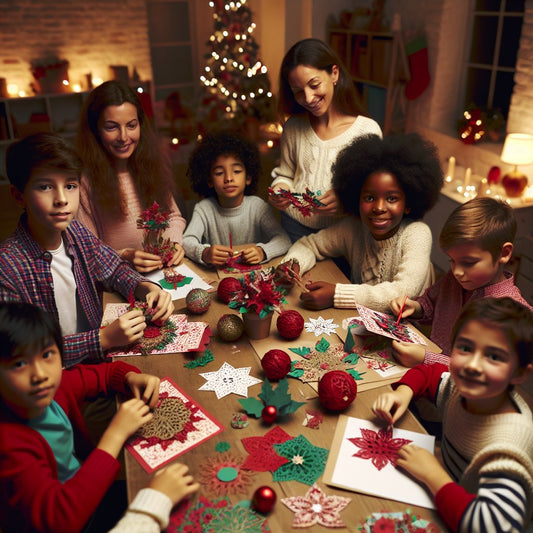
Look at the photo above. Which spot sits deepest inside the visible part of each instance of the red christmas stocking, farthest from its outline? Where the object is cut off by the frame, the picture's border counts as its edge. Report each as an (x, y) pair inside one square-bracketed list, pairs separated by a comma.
[(417, 52)]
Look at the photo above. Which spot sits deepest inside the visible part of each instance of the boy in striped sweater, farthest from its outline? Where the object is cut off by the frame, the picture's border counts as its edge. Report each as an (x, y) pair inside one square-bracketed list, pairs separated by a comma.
[(487, 444)]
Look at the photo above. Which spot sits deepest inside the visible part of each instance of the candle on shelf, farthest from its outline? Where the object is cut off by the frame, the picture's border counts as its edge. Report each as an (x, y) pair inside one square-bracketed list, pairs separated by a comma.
[(468, 174), (451, 169)]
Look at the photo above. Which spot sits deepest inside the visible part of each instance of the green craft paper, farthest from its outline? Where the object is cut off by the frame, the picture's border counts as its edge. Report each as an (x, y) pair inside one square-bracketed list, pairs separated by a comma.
[(322, 345), (252, 406), (303, 351), (169, 286), (202, 360), (228, 473)]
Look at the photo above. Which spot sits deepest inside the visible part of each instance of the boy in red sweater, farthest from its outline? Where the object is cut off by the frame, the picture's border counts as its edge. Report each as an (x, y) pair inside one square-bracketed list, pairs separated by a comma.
[(486, 483), (51, 478)]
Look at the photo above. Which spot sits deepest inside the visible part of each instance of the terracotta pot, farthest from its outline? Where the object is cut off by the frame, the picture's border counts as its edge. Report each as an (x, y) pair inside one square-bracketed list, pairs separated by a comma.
[(255, 327)]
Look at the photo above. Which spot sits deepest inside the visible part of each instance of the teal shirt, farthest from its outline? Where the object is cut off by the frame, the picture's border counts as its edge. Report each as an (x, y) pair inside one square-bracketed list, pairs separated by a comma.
[(56, 429)]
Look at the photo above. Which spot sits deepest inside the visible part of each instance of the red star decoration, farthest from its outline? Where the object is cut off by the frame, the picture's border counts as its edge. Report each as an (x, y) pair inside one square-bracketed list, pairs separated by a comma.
[(379, 447), (263, 457)]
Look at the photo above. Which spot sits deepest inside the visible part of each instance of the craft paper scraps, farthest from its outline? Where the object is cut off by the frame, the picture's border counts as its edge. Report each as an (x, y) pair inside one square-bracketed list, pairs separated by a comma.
[(238, 519), (316, 508), (179, 424), (306, 462), (203, 360), (312, 419), (378, 446), (386, 325), (189, 518), (367, 465), (263, 457), (398, 522), (187, 336), (224, 474), (191, 280), (227, 380), (321, 326), (235, 264)]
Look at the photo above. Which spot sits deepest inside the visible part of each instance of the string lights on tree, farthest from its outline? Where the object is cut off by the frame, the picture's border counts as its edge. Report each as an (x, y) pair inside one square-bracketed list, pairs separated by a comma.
[(235, 80)]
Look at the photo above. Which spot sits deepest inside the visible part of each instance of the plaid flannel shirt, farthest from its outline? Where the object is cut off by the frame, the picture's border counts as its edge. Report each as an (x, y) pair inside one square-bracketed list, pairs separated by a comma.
[(25, 276)]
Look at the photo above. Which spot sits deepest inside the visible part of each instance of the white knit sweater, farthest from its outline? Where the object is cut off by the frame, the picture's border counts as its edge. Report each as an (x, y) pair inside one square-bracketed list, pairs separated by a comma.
[(306, 160), (381, 270)]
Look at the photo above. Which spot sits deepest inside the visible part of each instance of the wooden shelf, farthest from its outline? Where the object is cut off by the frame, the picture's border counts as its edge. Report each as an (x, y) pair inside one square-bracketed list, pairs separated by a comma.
[(378, 65)]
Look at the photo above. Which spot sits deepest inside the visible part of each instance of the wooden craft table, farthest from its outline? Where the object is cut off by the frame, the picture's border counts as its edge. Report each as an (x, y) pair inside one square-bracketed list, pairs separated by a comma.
[(242, 354)]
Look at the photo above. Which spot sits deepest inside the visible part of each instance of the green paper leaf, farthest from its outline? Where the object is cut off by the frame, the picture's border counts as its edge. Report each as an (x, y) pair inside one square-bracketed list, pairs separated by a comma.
[(322, 345), (252, 406), (355, 374), (290, 407), (303, 351), (201, 361), (296, 373), (351, 358)]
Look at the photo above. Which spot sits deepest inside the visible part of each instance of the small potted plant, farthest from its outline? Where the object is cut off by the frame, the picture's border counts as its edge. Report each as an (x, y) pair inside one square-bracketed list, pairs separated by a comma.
[(257, 299)]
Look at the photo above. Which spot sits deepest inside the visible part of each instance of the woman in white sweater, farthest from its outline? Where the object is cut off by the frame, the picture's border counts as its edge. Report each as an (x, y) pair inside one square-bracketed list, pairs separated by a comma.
[(318, 95), (387, 185)]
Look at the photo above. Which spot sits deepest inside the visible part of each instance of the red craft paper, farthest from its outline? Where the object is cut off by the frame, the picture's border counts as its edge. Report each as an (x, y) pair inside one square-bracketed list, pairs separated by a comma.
[(263, 457), (152, 455)]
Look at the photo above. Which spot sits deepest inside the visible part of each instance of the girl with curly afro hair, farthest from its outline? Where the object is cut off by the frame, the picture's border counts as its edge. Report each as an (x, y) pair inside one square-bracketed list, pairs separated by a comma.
[(385, 187), (224, 168)]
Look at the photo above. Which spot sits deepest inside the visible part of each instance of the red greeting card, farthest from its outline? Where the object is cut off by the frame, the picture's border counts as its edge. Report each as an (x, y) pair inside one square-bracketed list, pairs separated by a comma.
[(179, 424)]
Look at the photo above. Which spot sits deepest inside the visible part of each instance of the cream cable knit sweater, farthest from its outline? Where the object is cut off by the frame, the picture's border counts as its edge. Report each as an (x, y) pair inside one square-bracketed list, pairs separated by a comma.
[(306, 160), (381, 270)]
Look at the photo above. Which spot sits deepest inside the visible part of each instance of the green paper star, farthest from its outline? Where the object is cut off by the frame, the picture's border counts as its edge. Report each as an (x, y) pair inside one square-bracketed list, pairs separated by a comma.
[(306, 462)]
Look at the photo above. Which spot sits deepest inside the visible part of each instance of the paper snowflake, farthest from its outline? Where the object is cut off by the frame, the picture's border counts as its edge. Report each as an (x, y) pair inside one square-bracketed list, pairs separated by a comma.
[(378, 446), (306, 462), (227, 380), (321, 326), (316, 508)]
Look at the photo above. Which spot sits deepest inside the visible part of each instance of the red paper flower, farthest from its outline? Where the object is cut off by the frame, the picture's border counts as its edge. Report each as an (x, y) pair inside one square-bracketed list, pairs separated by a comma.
[(384, 525), (379, 447)]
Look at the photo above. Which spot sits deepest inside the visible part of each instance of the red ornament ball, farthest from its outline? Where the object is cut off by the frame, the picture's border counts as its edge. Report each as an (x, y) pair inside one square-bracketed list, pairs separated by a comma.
[(276, 364), (227, 288), (198, 301), (269, 414), (290, 324), (337, 390), (230, 327), (263, 499)]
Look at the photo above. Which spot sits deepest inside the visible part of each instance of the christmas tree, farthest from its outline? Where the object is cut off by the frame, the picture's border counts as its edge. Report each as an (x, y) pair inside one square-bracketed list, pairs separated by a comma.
[(236, 81)]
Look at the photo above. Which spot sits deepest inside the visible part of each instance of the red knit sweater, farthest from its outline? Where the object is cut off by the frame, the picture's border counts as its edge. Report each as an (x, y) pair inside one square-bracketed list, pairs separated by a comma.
[(31, 496)]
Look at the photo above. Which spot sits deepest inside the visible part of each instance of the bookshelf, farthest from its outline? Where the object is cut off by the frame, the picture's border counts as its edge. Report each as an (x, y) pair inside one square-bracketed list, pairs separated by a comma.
[(377, 62)]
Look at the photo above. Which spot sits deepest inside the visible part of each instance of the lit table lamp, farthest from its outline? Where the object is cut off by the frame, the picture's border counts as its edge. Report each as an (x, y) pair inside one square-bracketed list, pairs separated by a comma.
[(517, 150)]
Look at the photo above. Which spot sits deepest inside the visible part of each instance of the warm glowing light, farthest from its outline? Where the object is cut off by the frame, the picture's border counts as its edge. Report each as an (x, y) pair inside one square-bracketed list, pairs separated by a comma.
[(175, 140), (270, 143), (13, 89), (97, 81), (140, 90), (77, 88), (65, 83), (22, 94)]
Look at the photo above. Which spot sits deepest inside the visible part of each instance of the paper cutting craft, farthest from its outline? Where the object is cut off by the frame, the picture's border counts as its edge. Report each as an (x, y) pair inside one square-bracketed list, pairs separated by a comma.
[(179, 424), (305, 202), (316, 507), (227, 380), (398, 522), (321, 326), (386, 325), (223, 474), (262, 455), (178, 335), (362, 459), (182, 286), (235, 264)]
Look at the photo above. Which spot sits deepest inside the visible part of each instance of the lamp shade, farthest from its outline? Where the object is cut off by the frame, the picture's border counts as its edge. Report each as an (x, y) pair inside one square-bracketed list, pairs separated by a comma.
[(518, 149)]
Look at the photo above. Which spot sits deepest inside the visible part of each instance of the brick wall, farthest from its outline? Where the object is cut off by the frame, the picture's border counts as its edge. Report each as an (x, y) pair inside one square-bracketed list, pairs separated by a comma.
[(90, 34)]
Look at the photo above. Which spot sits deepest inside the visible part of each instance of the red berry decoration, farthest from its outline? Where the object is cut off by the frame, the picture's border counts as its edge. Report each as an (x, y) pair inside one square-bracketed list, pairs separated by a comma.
[(276, 364), (269, 414), (227, 288), (198, 301), (290, 324), (337, 390), (263, 499)]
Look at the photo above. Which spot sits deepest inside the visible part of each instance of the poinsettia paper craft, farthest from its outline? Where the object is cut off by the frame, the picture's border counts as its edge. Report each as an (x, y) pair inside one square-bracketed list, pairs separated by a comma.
[(234, 263), (316, 507), (321, 326), (154, 221), (179, 424), (258, 293), (176, 335), (398, 522), (262, 455), (378, 446), (305, 202)]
